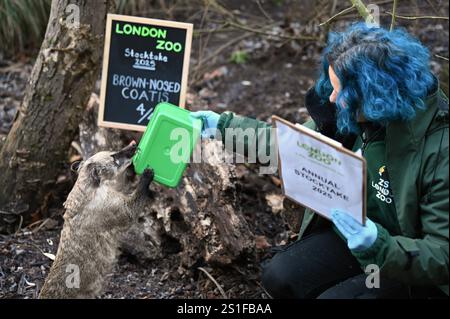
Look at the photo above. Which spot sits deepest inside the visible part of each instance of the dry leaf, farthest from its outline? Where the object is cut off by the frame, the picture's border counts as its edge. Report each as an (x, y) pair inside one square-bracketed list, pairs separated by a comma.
[(275, 201), (49, 256), (276, 181)]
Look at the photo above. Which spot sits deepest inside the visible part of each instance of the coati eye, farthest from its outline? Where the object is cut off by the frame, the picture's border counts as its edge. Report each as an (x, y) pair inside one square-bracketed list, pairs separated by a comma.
[(115, 160), (94, 174)]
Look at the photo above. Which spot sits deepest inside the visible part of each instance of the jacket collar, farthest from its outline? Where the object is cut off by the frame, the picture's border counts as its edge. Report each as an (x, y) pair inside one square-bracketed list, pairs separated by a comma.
[(413, 131)]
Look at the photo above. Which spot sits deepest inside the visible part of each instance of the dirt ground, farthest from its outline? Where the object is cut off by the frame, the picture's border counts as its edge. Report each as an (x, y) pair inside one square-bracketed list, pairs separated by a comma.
[(273, 79)]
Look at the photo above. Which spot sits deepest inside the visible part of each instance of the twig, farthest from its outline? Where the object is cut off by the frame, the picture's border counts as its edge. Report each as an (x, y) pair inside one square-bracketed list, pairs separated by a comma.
[(224, 295), (12, 67), (394, 11), (338, 14), (432, 6), (351, 16), (363, 12), (36, 246), (163, 6), (333, 7), (201, 47), (20, 225), (222, 28), (246, 28), (34, 231), (40, 221), (416, 10), (219, 8), (220, 49), (263, 11), (379, 3), (198, 67), (441, 57), (264, 289), (416, 18)]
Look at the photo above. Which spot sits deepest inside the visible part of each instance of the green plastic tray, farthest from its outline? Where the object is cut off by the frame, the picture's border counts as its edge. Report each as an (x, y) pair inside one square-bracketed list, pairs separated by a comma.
[(167, 144)]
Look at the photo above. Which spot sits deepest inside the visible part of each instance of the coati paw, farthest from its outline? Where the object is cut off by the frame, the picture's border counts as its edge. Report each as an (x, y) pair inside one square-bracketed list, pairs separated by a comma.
[(146, 179), (148, 174)]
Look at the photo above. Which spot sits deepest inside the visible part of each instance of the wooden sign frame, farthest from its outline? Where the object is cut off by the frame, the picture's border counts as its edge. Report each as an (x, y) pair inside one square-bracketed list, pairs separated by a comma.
[(334, 145), (184, 78)]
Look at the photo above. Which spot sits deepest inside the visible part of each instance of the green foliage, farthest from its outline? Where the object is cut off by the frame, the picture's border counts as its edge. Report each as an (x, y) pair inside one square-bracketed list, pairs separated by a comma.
[(22, 24), (278, 2), (239, 57)]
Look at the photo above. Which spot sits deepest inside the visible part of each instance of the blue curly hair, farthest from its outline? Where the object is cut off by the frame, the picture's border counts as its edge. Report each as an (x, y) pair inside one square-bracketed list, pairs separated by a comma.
[(383, 74)]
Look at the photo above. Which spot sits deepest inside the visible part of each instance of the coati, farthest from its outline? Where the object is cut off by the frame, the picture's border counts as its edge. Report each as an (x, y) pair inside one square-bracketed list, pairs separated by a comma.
[(98, 211)]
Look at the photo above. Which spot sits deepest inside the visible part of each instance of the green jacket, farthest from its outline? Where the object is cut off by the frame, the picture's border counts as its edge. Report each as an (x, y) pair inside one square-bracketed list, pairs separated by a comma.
[(417, 157)]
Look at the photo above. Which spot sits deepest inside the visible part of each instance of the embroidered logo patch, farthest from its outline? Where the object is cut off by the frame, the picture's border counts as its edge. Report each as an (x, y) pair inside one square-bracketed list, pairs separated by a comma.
[(384, 192)]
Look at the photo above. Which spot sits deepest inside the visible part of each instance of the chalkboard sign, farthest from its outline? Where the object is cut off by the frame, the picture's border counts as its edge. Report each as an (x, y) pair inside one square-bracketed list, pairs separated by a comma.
[(145, 61)]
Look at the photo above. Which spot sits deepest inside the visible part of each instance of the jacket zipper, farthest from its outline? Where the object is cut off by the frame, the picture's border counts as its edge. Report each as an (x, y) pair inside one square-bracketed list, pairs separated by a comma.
[(367, 141), (364, 144)]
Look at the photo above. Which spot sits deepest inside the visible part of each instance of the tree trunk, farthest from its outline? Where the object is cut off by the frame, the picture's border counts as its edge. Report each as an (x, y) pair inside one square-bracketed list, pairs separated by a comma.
[(61, 83)]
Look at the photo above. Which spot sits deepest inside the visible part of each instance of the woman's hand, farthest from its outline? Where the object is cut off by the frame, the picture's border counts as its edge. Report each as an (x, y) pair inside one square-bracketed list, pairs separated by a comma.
[(210, 120), (359, 237)]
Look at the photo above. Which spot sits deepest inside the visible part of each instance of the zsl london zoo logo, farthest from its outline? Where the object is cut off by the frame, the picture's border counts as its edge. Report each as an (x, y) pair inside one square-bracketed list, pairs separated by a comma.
[(319, 155)]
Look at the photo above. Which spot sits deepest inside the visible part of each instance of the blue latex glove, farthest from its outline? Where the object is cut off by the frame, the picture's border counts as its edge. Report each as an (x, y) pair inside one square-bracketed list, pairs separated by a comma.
[(210, 120), (359, 237)]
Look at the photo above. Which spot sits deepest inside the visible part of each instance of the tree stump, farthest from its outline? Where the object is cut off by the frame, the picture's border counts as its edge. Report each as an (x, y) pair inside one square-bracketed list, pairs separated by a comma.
[(201, 219)]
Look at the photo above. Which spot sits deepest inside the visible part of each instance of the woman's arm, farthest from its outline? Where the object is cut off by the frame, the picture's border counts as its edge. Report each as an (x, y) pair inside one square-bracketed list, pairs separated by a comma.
[(244, 135), (250, 135)]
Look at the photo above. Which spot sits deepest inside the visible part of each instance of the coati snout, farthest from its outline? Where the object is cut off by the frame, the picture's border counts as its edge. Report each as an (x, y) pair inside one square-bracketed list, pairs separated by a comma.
[(107, 166), (125, 154)]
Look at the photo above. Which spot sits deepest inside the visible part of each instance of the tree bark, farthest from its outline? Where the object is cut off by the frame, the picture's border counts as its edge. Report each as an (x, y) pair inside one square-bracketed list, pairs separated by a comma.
[(46, 123), (202, 219)]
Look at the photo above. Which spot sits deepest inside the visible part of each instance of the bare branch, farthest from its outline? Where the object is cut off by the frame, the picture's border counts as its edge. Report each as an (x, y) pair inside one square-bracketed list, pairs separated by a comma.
[(247, 28), (224, 295), (416, 18), (394, 11), (263, 11), (338, 14), (363, 11), (441, 57)]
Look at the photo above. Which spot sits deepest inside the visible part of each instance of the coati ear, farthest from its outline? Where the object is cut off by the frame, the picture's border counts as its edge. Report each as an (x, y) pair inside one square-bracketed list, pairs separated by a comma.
[(94, 174), (75, 166)]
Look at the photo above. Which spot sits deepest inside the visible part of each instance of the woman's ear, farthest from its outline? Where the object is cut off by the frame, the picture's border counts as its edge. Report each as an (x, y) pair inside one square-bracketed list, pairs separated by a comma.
[(75, 166)]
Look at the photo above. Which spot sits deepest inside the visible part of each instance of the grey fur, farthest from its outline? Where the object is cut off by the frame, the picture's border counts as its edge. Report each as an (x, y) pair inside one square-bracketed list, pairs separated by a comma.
[(99, 210)]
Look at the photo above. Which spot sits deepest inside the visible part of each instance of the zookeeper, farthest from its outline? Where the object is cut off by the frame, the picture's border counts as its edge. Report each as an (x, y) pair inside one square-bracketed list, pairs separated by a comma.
[(375, 92)]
